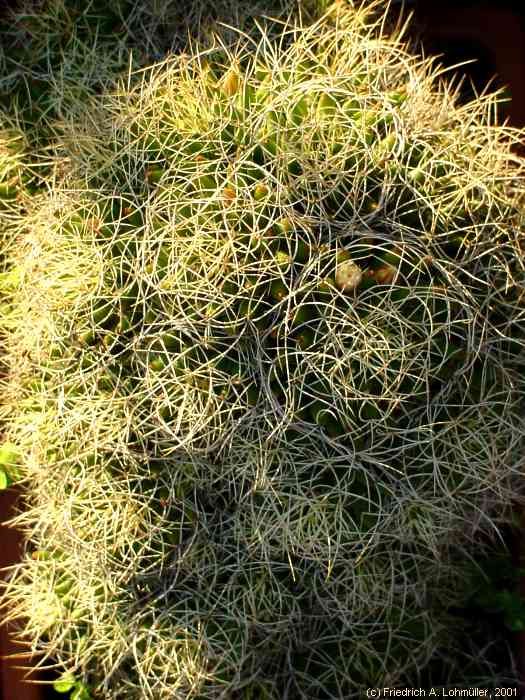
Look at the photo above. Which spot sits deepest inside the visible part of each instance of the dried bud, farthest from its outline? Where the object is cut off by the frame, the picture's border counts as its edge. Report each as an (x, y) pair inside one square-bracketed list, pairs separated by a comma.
[(229, 195), (230, 84), (385, 274)]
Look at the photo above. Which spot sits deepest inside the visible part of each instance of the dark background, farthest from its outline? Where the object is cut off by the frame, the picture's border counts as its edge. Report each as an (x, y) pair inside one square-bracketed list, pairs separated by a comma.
[(491, 31)]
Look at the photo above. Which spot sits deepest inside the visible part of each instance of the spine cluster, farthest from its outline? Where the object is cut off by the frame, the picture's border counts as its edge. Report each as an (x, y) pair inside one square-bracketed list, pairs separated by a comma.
[(266, 381)]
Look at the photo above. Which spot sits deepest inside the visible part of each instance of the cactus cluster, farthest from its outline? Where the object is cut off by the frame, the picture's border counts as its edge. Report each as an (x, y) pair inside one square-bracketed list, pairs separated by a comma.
[(55, 53), (266, 369)]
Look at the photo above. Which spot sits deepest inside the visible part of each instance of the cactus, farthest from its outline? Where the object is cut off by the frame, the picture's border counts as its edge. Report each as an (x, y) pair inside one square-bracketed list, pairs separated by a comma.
[(268, 366), (55, 53), (16, 185)]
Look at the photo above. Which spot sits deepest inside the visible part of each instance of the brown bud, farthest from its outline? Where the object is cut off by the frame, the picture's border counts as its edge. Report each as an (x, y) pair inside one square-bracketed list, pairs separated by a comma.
[(385, 274), (230, 84), (229, 195)]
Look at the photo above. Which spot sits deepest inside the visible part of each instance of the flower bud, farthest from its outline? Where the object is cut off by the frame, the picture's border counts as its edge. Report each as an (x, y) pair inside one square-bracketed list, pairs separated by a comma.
[(348, 276)]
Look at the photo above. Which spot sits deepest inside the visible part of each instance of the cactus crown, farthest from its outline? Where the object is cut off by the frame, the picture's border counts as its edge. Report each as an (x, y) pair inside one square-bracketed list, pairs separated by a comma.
[(270, 366)]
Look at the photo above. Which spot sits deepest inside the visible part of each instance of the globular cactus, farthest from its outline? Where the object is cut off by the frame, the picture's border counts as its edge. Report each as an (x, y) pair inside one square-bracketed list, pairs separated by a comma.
[(269, 380)]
